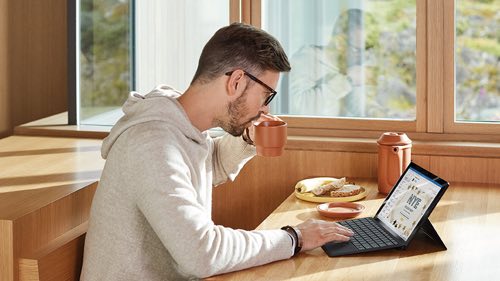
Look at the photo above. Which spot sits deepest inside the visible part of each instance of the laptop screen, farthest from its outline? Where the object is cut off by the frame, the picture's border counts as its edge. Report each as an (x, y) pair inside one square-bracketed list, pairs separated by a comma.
[(408, 202)]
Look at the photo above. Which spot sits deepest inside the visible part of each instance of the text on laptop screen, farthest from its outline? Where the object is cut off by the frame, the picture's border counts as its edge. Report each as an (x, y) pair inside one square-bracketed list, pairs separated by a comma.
[(408, 203)]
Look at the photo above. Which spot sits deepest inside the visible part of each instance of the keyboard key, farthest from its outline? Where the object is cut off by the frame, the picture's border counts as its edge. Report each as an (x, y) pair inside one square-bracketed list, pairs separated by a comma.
[(367, 234)]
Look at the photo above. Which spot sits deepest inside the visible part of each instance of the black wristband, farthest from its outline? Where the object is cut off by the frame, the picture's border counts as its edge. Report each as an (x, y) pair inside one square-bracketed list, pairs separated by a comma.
[(297, 237)]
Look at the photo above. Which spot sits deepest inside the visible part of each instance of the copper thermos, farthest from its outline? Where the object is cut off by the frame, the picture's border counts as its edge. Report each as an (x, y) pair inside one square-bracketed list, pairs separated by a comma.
[(394, 155)]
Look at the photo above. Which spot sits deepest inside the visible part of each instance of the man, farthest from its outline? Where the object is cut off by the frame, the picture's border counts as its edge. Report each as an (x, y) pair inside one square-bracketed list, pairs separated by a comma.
[(151, 215)]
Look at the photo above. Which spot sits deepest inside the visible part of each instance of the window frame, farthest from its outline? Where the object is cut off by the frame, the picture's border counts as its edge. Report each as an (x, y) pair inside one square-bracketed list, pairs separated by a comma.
[(315, 126), (435, 99), (450, 123)]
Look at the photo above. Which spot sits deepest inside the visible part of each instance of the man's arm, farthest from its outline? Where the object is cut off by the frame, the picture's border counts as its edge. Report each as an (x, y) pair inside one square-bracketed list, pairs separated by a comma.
[(229, 156), (169, 202)]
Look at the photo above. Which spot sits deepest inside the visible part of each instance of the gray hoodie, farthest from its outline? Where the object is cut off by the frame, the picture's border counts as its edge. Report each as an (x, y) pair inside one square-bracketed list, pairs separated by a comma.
[(151, 214)]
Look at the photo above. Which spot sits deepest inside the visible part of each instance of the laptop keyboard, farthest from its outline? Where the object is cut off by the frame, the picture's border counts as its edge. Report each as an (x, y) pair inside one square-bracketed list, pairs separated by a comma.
[(367, 234)]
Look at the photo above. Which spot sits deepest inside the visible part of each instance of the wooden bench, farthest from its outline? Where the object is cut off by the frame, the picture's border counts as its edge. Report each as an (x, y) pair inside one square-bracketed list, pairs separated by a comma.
[(46, 189)]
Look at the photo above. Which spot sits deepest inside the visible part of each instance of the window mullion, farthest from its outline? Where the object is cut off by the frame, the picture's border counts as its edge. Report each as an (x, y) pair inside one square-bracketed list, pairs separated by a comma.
[(255, 13), (246, 8), (449, 64), (421, 91), (435, 66), (234, 11)]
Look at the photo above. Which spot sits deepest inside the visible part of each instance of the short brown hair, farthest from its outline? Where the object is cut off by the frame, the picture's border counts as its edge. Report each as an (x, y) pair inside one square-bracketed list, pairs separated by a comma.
[(240, 46)]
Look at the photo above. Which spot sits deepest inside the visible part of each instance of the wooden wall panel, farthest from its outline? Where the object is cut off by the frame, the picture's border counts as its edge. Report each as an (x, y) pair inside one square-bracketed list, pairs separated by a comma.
[(5, 124), (467, 169), (58, 261), (6, 251), (422, 160), (33, 61), (265, 182), (38, 228)]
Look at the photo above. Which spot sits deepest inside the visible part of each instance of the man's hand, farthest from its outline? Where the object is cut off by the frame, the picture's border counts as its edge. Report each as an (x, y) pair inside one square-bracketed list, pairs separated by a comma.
[(316, 233)]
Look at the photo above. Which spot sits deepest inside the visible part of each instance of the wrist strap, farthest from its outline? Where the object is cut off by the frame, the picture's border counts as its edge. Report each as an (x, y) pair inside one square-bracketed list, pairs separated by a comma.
[(297, 236)]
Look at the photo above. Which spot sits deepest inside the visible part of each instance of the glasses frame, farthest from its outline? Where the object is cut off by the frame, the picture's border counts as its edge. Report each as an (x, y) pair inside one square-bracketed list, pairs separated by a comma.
[(273, 92)]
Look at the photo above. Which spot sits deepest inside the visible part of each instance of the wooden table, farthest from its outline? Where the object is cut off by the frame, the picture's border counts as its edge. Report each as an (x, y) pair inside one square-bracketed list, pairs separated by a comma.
[(467, 219)]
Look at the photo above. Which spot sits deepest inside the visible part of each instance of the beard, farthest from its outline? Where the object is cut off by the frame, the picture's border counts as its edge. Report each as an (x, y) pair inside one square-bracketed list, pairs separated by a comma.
[(236, 110)]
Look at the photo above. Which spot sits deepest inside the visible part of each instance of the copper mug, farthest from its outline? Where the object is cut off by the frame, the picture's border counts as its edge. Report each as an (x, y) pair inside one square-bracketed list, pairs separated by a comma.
[(270, 137), (394, 155)]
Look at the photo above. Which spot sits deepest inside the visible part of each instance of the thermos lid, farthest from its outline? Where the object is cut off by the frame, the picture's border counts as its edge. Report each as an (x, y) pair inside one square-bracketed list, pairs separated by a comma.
[(393, 138)]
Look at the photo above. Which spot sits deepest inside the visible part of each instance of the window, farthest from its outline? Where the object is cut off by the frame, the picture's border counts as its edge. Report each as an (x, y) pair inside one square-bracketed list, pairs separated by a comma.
[(477, 61), (471, 66), (352, 62), (349, 58), (105, 59), (170, 37), (404, 65), (130, 45)]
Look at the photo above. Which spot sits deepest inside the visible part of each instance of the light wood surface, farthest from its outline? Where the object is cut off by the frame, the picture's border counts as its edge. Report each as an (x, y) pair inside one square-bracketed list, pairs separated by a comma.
[(46, 189), (56, 126), (467, 219)]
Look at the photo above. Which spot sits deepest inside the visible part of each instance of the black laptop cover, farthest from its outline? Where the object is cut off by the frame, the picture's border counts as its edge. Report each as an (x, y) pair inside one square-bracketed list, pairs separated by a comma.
[(403, 213)]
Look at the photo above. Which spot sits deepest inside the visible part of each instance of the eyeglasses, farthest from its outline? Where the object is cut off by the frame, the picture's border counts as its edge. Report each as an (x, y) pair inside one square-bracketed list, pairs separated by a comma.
[(273, 92)]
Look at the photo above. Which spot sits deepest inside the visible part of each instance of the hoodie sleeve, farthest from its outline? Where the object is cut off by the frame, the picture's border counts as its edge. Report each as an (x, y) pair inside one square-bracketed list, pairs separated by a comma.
[(168, 201), (229, 156)]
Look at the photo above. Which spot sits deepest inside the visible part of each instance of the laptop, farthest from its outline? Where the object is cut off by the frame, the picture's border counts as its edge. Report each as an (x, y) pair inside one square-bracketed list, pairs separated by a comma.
[(403, 213)]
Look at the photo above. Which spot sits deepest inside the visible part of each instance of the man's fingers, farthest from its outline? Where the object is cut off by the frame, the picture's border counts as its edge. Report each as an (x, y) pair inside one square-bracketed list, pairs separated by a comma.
[(344, 230), (337, 228), (264, 116), (340, 237)]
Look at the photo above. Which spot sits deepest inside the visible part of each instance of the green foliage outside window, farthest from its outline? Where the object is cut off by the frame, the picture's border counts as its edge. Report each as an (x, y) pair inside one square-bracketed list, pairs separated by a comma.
[(477, 56), (105, 61)]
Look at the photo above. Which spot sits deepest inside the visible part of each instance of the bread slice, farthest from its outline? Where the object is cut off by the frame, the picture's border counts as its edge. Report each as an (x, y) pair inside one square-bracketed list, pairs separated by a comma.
[(346, 191), (317, 184)]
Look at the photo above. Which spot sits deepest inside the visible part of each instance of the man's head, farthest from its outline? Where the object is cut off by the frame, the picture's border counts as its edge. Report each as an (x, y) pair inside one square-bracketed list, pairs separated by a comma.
[(240, 46), (248, 60)]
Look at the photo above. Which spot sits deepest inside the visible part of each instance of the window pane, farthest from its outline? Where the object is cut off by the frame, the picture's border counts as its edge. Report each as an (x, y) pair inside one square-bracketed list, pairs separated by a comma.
[(167, 41), (477, 58), (170, 37), (105, 59), (349, 58)]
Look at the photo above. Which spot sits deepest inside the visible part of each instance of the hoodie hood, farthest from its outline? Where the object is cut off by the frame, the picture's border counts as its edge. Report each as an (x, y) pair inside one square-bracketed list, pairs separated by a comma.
[(159, 105)]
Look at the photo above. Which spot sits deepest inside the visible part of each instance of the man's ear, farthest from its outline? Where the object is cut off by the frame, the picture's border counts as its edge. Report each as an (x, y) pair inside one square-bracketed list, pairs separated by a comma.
[(236, 83)]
